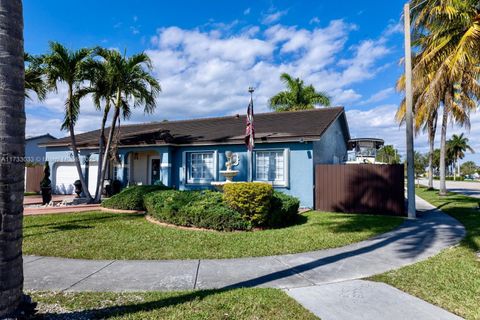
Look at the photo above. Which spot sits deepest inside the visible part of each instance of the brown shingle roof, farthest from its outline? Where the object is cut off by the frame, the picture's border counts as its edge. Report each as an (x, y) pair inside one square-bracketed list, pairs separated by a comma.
[(272, 127)]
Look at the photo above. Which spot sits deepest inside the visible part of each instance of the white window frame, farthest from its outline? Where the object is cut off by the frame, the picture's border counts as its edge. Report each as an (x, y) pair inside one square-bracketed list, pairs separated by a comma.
[(286, 167), (187, 167)]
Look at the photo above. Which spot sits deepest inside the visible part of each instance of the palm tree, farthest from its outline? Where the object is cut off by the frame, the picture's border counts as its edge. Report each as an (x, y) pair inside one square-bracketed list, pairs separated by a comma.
[(132, 85), (458, 145), (34, 77), (388, 154), (63, 66), (12, 146), (447, 34), (425, 112), (297, 96), (103, 93)]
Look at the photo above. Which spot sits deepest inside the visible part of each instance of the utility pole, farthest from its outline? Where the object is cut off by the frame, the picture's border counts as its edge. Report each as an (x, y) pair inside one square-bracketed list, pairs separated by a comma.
[(409, 115), (250, 152)]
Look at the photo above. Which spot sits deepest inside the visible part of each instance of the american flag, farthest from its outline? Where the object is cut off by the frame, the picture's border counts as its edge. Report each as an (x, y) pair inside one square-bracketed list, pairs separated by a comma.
[(250, 129)]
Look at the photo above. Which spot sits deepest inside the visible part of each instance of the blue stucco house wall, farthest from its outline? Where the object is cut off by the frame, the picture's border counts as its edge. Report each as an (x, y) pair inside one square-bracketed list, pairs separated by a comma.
[(35, 153), (171, 163)]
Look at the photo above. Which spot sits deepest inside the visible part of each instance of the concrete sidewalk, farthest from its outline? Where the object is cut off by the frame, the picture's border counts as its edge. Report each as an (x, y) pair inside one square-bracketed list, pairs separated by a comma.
[(413, 241), (360, 300)]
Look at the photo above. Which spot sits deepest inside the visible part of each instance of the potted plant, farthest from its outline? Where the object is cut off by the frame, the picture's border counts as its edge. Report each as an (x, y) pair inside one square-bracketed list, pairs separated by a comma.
[(46, 185), (78, 187)]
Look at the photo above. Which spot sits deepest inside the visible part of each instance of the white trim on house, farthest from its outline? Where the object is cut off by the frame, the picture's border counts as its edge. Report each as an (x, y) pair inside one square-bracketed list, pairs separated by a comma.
[(286, 167), (190, 181)]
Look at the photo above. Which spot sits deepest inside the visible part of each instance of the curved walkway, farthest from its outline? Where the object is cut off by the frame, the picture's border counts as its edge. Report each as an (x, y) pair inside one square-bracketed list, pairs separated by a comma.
[(413, 241)]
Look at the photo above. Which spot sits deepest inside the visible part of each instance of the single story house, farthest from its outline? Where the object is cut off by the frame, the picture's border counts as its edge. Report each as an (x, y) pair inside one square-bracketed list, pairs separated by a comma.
[(35, 153), (189, 154)]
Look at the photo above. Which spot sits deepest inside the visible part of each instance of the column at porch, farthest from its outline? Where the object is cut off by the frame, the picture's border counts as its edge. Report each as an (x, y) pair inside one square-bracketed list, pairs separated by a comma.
[(166, 166), (122, 170)]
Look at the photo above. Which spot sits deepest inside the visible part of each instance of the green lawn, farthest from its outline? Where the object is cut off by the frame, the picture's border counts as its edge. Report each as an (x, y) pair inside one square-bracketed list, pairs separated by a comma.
[(100, 235), (451, 279), (235, 304)]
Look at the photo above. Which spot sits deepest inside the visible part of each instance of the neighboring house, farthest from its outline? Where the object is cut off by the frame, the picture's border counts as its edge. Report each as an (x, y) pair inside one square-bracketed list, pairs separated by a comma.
[(190, 154), (35, 153), (364, 150)]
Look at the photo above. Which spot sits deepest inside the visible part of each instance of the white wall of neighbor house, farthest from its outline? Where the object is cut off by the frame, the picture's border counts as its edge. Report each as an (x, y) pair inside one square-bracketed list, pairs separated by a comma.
[(140, 166)]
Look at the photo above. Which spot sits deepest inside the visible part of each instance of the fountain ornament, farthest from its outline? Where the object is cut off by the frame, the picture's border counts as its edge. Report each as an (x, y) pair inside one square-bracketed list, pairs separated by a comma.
[(229, 174)]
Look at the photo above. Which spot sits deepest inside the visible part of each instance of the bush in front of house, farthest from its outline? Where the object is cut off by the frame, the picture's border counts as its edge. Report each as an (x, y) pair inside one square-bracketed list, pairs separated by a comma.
[(202, 209), (131, 198), (283, 210), (251, 199)]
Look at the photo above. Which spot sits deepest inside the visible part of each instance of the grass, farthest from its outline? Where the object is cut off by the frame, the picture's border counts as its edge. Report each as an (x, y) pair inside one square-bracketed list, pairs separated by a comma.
[(451, 279), (100, 235), (27, 194), (212, 304)]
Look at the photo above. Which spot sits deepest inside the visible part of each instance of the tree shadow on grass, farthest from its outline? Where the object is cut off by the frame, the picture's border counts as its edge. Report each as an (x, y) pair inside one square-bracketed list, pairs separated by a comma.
[(92, 218), (69, 225), (361, 223), (132, 308)]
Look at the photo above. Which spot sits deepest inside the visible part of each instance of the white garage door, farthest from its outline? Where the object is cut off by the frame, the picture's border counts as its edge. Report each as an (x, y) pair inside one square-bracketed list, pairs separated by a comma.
[(65, 175), (92, 177)]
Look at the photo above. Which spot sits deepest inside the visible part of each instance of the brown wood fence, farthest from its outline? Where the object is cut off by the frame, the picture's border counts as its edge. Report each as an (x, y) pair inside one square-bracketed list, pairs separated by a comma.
[(360, 188), (33, 176)]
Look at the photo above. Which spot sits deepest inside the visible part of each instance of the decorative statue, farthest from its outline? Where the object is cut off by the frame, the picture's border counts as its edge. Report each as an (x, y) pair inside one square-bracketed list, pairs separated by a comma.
[(232, 160)]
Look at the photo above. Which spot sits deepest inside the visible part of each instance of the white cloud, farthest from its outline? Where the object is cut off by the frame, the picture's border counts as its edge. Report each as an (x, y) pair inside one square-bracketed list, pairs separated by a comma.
[(379, 96), (394, 27), (206, 72), (314, 20), (134, 30), (272, 17), (246, 11), (345, 97)]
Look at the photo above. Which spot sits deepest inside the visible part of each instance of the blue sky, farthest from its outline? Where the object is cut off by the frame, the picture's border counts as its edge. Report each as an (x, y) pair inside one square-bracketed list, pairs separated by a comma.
[(207, 53)]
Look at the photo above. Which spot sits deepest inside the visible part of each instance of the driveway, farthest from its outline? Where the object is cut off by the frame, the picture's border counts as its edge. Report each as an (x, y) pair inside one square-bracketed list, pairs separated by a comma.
[(467, 188)]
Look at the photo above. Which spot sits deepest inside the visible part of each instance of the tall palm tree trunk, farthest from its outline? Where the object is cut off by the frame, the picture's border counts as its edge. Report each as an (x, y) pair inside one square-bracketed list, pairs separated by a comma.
[(432, 126), (116, 114), (101, 152), (12, 149), (443, 151), (76, 157)]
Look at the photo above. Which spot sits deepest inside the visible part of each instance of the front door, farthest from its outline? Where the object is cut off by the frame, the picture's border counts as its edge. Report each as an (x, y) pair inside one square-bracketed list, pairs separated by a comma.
[(154, 170)]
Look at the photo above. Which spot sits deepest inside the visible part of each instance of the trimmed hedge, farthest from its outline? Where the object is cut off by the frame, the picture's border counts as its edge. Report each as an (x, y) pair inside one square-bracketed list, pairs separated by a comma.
[(203, 209), (242, 206), (251, 199), (131, 198), (284, 210)]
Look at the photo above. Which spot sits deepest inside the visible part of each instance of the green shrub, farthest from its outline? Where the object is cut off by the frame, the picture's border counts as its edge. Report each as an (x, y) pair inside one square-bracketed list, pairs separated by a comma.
[(203, 209), (283, 211), (251, 199), (131, 198)]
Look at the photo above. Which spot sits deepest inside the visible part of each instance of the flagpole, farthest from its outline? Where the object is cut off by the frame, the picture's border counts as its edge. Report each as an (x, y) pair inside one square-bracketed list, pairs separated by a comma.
[(250, 152)]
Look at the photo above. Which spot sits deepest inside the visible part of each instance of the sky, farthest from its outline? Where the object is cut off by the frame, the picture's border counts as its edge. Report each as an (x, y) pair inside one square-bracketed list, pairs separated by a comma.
[(206, 54)]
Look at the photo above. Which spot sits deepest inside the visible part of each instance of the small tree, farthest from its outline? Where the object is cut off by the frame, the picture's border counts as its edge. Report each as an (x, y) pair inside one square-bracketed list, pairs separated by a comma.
[(388, 154), (421, 162), (468, 168)]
